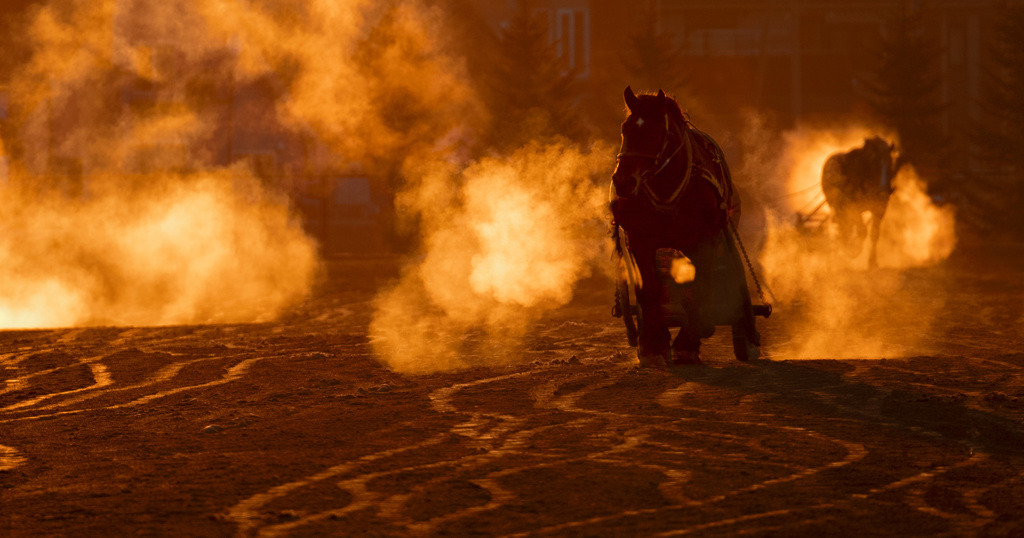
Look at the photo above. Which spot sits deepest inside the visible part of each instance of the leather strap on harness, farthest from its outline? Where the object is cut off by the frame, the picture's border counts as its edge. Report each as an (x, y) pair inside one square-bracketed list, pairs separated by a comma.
[(669, 203)]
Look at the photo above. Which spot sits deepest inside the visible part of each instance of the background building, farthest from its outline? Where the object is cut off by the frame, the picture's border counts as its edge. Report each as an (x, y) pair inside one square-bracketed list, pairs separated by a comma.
[(796, 60)]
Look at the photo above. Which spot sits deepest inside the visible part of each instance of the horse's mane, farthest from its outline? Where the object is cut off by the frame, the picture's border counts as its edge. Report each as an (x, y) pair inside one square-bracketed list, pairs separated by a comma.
[(674, 111)]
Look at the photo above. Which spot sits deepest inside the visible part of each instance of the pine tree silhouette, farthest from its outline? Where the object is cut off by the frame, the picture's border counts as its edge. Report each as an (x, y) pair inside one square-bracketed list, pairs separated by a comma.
[(904, 89), (531, 92), (1000, 136), (653, 61)]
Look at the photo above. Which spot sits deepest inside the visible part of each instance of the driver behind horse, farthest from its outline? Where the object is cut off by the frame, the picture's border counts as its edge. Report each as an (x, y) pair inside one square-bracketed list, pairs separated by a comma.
[(671, 189)]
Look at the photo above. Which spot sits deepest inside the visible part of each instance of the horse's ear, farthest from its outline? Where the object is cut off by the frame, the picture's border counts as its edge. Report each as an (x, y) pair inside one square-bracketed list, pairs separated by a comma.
[(631, 100), (661, 93)]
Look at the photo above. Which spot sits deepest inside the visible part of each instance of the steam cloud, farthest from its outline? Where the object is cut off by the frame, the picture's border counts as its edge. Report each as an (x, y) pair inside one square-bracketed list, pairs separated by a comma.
[(842, 309), (504, 240), (143, 230), (209, 248), (185, 241), (372, 79)]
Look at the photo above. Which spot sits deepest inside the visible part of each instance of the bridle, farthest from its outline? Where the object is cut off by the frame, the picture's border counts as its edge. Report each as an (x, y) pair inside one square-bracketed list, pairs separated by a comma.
[(661, 159)]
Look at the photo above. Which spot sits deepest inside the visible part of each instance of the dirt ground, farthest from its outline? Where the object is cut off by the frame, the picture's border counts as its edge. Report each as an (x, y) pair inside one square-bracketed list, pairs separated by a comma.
[(293, 428)]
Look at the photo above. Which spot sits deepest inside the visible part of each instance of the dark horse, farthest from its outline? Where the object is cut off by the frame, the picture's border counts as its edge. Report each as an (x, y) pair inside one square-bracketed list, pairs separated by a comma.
[(856, 181), (671, 189)]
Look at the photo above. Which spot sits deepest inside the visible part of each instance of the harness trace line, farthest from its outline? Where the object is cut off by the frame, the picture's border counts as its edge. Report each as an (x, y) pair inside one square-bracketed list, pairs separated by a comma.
[(801, 191), (750, 266)]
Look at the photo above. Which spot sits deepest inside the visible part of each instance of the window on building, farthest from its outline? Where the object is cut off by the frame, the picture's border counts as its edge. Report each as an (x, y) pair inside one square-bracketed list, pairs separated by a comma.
[(572, 34), (569, 31)]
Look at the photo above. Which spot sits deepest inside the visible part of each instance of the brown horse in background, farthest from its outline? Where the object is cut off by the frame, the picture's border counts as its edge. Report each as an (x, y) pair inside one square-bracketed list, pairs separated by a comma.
[(858, 181), (671, 189)]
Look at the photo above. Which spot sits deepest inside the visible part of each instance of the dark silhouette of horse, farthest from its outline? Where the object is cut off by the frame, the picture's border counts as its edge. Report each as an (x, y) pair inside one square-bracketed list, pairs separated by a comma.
[(856, 181), (671, 189)]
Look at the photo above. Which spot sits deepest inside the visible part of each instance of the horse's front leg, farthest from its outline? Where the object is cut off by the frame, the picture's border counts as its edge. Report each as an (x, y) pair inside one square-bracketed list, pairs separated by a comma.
[(653, 341), (850, 230), (876, 230)]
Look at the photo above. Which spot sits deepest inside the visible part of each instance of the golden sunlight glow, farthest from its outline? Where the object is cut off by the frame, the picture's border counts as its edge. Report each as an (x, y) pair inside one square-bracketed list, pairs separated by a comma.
[(915, 232), (682, 270), (355, 63), (806, 151), (145, 227), (846, 310), (505, 240), (140, 230), (150, 225), (191, 250)]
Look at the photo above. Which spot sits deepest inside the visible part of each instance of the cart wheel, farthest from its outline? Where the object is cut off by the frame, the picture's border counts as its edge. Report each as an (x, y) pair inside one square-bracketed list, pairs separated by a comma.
[(746, 341), (626, 290), (628, 311), (744, 349)]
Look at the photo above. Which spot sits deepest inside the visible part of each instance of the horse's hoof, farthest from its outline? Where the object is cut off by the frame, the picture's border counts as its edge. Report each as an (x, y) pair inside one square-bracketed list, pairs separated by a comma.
[(683, 357), (653, 360)]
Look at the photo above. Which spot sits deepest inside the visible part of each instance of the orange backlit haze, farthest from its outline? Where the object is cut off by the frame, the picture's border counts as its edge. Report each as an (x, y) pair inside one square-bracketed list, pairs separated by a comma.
[(145, 229), (846, 306), (154, 228), (504, 240), (209, 248), (157, 230)]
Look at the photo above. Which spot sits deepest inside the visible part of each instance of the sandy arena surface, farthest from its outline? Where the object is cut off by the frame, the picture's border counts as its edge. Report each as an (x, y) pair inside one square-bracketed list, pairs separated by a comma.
[(294, 428)]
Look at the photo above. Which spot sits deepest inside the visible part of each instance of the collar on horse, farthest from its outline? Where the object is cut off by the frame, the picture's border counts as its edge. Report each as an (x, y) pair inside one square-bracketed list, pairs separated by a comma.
[(660, 162)]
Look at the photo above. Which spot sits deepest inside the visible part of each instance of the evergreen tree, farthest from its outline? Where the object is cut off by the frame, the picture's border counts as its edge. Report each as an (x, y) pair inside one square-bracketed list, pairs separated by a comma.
[(653, 61), (999, 137), (904, 90), (531, 92)]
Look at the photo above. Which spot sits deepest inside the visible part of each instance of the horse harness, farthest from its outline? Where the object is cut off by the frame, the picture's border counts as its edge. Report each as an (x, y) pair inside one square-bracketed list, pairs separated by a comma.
[(706, 162)]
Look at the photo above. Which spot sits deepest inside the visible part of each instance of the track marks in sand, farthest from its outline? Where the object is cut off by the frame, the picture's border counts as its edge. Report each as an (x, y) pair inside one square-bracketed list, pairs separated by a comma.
[(248, 514), (674, 486), (9, 458), (708, 436), (100, 375), (487, 436), (136, 366), (51, 382), (588, 447), (515, 445)]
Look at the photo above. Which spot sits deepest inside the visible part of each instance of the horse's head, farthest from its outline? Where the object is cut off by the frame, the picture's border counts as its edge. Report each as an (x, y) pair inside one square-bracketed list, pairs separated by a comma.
[(877, 147), (645, 135), (881, 152)]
